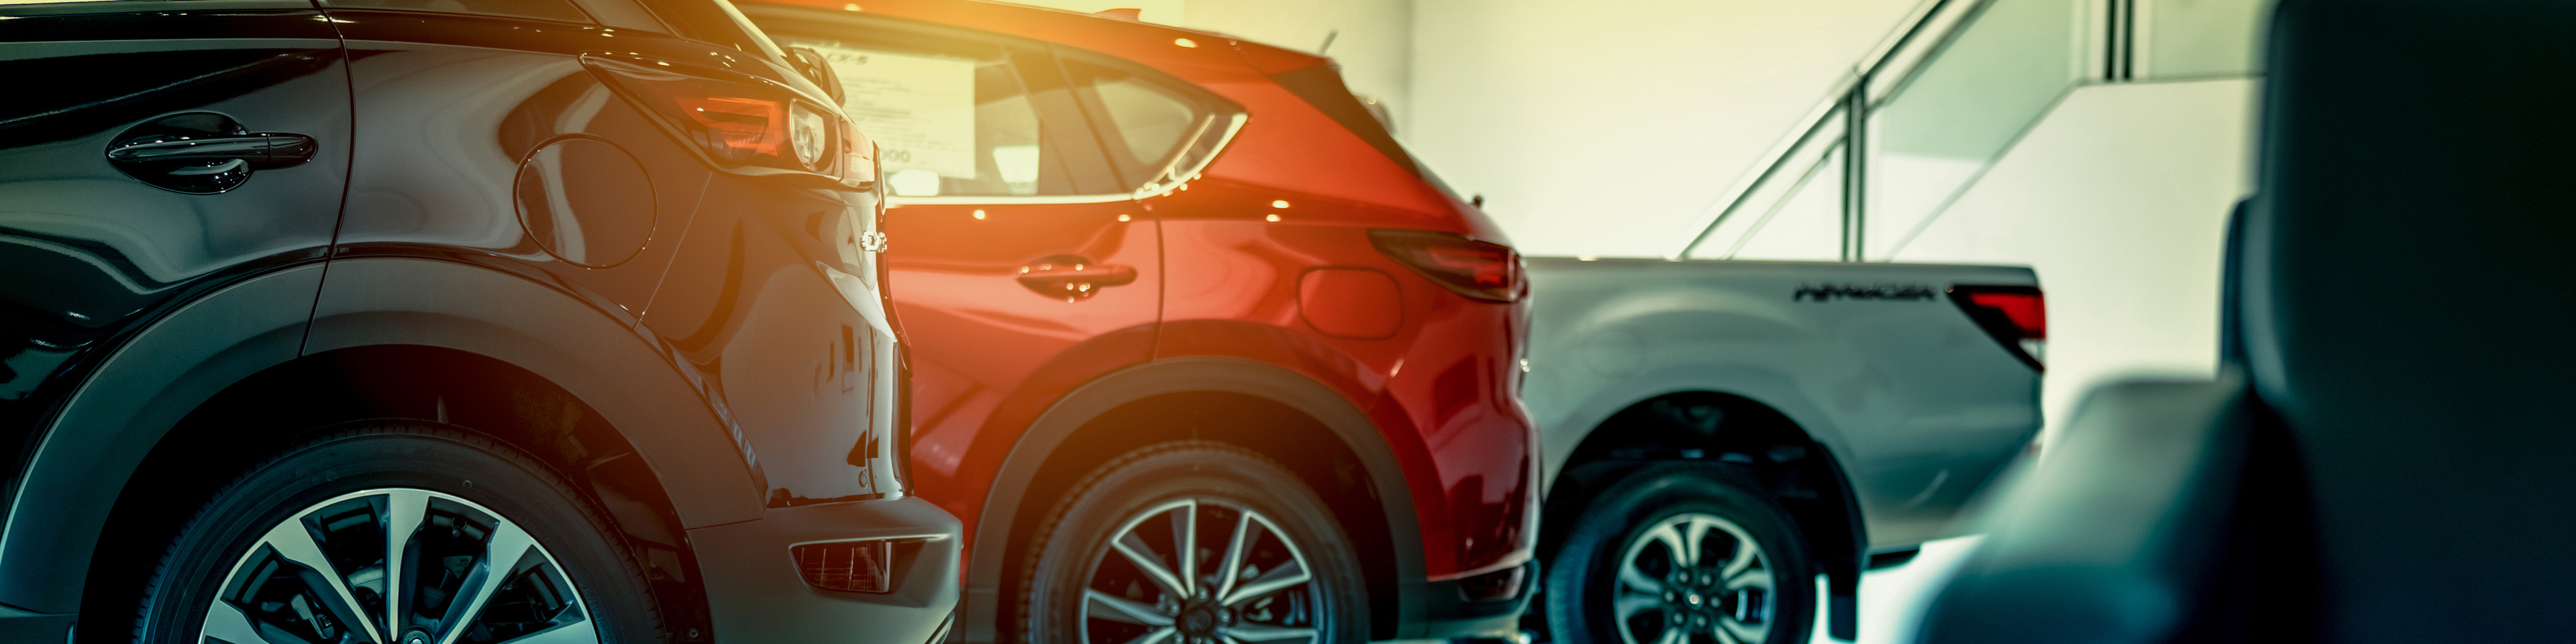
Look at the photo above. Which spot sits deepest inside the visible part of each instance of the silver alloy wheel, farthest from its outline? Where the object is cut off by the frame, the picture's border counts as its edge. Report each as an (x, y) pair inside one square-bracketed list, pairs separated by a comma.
[(309, 578), (1257, 589), (1692, 578)]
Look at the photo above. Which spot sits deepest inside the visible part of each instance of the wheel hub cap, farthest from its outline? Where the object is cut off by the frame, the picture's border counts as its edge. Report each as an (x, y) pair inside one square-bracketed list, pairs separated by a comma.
[(363, 566), (1693, 578), (1201, 571), (1198, 621)]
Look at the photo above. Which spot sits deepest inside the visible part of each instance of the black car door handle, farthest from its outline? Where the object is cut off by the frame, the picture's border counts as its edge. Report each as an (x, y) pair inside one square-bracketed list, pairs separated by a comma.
[(1073, 278), (260, 151)]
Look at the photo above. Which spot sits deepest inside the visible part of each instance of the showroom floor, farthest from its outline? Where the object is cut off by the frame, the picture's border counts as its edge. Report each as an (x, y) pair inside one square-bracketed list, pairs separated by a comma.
[(1891, 599)]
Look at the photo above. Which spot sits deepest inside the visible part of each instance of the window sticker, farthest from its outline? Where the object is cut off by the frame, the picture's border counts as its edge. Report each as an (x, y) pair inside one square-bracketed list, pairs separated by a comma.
[(919, 109)]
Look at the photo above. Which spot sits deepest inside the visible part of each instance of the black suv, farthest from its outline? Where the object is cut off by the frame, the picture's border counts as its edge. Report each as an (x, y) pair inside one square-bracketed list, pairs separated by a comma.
[(438, 321)]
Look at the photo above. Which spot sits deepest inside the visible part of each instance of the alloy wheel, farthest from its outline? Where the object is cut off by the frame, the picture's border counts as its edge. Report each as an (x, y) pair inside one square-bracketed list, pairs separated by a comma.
[(396, 566), (1201, 571), (1694, 578)]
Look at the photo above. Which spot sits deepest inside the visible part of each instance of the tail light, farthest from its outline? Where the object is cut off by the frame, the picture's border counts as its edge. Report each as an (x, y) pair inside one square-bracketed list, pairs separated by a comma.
[(856, 566), (2016, 316), (743, 123), (1465, 265)]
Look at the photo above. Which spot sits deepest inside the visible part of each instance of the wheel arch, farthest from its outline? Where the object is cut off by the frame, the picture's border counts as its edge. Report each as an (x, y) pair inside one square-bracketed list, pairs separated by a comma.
[(259, 345), (1803, 473), (471, 392), (606, 363), (1357, 472), (80, 458)]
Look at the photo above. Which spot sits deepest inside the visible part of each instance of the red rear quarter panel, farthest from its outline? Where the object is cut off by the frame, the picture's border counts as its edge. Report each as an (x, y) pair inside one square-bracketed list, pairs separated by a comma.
[(1438, 389)]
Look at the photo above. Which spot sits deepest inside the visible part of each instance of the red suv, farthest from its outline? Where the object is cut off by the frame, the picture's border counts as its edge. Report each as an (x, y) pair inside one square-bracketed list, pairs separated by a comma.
[(1198, 352)]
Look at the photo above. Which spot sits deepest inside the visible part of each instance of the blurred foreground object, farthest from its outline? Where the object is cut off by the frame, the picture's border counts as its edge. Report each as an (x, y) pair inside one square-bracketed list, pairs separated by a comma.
[(2374, 467)]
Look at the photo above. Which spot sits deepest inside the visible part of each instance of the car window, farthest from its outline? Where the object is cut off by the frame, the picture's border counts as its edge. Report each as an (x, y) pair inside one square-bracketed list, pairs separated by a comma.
[(561, 10), (1146, 121), (952, 118)]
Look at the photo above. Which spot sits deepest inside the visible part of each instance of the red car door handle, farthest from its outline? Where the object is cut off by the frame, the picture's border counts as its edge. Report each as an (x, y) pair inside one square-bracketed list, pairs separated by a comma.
[(1073, 279)]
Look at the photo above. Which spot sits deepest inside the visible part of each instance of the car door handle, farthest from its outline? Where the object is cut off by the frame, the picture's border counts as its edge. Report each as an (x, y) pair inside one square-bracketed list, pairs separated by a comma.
[(1073, 279), (262, 151)]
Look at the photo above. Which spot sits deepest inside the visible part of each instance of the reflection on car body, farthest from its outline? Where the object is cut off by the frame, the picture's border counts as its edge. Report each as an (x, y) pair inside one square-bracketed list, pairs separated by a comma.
[(553, 319), (1130, 258)]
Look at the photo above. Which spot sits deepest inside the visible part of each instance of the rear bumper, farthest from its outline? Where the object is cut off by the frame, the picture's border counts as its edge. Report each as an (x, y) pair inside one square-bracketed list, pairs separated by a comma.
[(1446, 612), (755, 593)]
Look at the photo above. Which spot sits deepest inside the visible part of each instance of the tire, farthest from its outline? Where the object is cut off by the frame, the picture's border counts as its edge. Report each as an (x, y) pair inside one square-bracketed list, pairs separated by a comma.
[(1294, 578), (297, 547), (1615, 580)]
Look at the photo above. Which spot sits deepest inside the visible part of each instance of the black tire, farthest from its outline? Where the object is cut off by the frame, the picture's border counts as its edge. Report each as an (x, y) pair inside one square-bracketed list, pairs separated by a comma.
[(1584, 578), (468, 491), (1142, 497)]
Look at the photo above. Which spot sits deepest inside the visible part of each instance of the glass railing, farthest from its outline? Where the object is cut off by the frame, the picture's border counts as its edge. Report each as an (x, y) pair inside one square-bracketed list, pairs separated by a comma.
[(1948, 95)]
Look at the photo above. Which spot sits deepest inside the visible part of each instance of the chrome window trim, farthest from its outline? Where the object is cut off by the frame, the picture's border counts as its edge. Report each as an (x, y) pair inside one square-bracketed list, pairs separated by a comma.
[(1173, 177), (970, 200)]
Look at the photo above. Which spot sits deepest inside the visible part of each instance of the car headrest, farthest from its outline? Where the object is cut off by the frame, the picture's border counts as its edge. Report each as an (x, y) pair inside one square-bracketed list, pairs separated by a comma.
[(2407, 303)]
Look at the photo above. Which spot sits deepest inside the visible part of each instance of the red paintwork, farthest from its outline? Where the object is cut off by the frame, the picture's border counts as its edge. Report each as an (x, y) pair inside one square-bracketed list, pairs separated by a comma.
[(990, 356), (1356, 303)]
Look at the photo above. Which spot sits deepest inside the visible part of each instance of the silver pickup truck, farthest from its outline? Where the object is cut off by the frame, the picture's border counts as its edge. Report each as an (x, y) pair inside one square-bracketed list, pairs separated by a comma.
[(1718, 433)]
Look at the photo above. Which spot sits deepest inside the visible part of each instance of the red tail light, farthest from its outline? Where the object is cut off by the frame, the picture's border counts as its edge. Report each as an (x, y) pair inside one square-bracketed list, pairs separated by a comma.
[(1465, 265), (745, 124), (2016, 316), (740, 126)]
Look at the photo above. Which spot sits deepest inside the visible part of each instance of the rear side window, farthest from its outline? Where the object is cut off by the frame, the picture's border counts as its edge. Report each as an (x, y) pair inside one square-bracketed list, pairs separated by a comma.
[(1152, 127), (960, 118), (1148, 122), (559, 10)]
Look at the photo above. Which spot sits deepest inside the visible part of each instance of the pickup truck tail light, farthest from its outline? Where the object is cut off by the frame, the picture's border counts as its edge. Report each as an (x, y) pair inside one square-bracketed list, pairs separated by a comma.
[(1475, 268), (743, 123), (2016, 316)]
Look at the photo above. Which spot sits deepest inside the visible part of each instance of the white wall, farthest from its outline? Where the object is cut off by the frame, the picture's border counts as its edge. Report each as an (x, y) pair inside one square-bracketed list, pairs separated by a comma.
[(1372, 40), (1607, 128), (2119, 198)]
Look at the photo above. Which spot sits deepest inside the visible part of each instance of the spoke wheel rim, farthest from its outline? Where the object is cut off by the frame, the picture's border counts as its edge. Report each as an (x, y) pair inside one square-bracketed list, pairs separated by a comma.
[(396, 566), (1246, 581), (1694, 578)]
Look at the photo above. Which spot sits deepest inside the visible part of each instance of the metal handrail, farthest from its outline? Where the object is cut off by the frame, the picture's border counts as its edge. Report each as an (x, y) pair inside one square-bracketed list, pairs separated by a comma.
[(1835, 103)]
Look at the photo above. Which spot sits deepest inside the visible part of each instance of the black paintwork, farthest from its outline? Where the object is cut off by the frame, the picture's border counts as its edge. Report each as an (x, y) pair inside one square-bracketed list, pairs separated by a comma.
[(392, 167), (89, 252)]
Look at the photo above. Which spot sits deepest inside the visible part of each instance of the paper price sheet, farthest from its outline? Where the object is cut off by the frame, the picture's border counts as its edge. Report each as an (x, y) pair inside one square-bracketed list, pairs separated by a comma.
[(919, 109)]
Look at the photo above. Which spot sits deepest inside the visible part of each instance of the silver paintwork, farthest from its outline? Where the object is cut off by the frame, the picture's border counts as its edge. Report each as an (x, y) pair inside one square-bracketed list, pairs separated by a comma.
[(1916, 403)]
